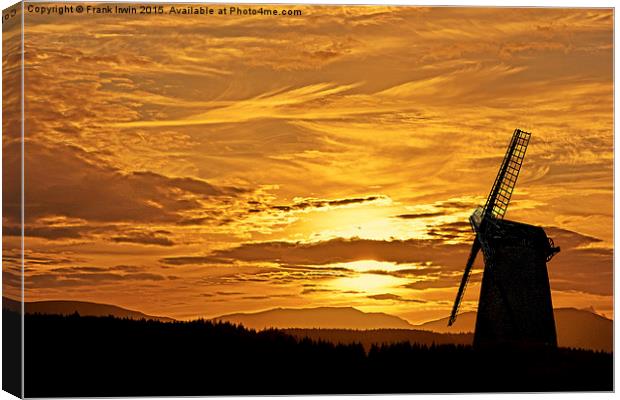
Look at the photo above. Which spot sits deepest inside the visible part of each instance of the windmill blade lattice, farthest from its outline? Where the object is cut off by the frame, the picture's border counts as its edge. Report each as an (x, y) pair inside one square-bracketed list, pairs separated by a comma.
[(497, 202)]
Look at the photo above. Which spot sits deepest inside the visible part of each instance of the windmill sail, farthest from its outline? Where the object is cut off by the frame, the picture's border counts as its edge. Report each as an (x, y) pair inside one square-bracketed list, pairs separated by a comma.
[(499, 197), (496, 205), (475, 248)]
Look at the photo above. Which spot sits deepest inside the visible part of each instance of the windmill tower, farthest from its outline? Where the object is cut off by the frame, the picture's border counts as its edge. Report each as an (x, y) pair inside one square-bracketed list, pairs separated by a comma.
[(515, 299)]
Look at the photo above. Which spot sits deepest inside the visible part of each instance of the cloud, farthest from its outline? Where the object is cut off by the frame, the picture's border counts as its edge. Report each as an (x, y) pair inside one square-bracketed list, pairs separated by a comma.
[(126, 268), (43, 259), (73, 270), (335, 251), (394, 297), (440, 209), (452, 230), (46, 232), (340, 250), (228, 293), (316, 290), (570, 239), (420, 215), (275, 275), (278, 104), (408, 272), (85, 231), (12, 280), (442, 280), (310, 203), (157, 238), (443, 263), (586, 270), (186, 260), (68, 181), (455, 205), (266, 297), (79, 277)]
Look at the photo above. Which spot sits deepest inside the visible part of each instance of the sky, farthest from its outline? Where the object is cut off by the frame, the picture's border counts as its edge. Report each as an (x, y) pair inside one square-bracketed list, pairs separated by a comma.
[(194, 166)]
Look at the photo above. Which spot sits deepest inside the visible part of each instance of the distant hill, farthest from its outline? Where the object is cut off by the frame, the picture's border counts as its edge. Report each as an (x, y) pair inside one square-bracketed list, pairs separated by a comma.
[(320, 317), (84, 308), (575, 328), (465, 323), (381, 336), (584, 329)]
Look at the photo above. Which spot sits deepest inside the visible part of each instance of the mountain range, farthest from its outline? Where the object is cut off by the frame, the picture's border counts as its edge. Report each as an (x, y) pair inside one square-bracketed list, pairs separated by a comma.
[(84, 308), (320, 317), (577, 328)]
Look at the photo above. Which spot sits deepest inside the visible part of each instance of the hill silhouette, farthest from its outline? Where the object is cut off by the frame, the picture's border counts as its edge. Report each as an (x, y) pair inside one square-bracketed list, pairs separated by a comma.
[(368, 338), (75, 356), (465, 323), (575, 328), (84, 308), (320, 317)]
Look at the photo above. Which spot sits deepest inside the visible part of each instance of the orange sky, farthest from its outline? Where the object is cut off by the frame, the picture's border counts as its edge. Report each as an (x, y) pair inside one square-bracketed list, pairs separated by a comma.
[(196, 166)]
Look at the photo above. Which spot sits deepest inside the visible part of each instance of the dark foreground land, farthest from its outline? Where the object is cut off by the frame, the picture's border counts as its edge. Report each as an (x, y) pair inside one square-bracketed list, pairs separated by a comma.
[(106, 356)]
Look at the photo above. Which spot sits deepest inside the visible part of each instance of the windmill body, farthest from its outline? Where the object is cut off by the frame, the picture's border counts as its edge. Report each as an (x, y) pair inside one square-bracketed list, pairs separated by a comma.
[(515, 298)]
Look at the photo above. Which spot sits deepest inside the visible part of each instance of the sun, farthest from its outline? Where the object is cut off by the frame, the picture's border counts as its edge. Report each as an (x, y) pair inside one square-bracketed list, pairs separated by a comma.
[(366, 283), (376, 222), (365, 278)]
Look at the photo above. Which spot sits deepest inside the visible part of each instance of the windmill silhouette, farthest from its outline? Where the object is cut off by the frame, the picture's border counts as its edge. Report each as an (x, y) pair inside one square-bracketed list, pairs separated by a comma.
[(515, 298)]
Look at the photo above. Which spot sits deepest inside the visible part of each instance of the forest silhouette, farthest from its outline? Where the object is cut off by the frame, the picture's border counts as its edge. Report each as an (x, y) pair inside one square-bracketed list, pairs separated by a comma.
[(106, 356)]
